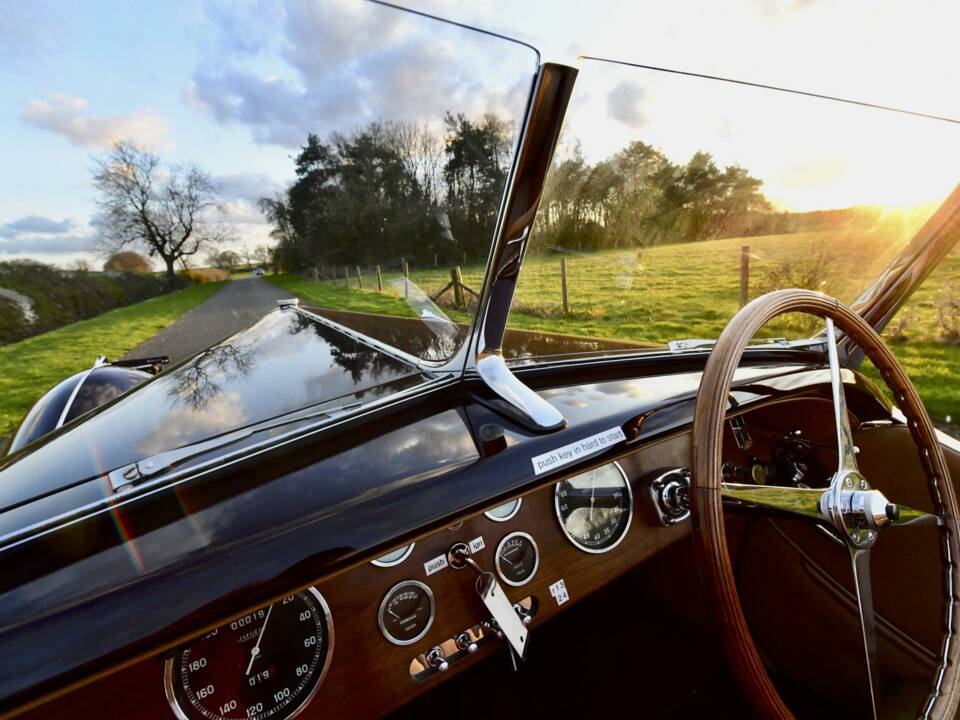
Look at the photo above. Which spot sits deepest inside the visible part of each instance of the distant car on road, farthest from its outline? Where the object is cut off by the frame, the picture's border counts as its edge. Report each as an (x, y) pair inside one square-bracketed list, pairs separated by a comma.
[(258, 272)]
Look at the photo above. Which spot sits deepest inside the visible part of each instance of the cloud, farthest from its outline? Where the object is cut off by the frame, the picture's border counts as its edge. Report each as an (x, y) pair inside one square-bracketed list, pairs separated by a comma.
[(623, 103), (336, 66), (240, 194), (67, 116), (47, 244), (36, 234), (34, 224)]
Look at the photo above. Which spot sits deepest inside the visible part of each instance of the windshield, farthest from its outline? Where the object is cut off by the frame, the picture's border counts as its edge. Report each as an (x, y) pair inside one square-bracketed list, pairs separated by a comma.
[(164, 190), (673, 200)]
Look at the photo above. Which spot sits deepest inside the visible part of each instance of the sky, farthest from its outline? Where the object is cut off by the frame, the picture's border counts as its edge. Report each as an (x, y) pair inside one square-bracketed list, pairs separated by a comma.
[(235, 89)]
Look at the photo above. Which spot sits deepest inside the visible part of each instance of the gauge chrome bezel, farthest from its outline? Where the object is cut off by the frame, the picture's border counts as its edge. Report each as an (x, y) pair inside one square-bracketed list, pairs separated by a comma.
[(168, 666), (394, 563), (383, 605), (536, 553), (512, 515), (626, 528)]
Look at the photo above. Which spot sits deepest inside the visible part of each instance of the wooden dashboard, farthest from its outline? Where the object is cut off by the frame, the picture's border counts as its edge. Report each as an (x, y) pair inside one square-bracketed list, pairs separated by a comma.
[(368, 676)]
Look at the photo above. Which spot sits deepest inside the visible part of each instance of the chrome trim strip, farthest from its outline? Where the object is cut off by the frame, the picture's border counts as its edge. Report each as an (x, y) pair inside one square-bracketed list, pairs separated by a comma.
[(73, 396), (383, 605), (406, 358), (135, 492), (168, 666)]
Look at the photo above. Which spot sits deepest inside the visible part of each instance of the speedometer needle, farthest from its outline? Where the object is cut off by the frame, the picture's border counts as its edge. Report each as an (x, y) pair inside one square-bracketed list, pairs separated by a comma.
[(255, 650), (593, 489)]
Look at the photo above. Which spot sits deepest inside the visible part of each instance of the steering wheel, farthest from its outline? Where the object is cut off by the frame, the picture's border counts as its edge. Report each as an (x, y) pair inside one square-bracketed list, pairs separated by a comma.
[(849, 508)]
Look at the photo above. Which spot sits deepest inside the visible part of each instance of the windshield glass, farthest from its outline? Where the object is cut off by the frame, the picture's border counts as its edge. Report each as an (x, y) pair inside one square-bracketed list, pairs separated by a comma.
[(164, 190), (672, 200)]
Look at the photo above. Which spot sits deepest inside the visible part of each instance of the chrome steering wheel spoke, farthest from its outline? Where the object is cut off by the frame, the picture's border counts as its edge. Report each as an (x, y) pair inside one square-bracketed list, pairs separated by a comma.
[(802, 502), (845, 447), (863, 586)]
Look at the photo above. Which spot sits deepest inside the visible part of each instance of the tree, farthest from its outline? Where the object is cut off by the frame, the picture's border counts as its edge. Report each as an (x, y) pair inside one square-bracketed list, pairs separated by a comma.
[(167, 212), (225, 259), (127, 261), (263, 254)]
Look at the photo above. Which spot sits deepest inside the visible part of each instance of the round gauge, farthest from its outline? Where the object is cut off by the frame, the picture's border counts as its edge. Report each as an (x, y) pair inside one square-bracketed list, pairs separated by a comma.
[(267, 664), (502, 513), (394, 557), (595, 508), (517, 559), (406, 612)]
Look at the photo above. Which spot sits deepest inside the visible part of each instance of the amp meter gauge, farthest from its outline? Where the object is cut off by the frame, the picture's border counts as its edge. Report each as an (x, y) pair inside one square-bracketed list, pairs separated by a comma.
[(517, 559), (406, 612)]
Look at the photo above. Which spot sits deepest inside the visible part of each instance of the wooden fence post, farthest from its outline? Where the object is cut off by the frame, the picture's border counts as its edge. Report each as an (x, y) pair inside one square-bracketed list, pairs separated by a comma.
[(346, 277), (379, 280), (744, 274), (456, 277), (406, 279), (359, 279), (563, 285), (436, 262), (464, 258)]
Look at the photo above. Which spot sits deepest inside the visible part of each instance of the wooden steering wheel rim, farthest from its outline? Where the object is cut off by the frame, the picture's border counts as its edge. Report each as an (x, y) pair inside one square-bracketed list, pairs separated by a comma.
[(707, 506)]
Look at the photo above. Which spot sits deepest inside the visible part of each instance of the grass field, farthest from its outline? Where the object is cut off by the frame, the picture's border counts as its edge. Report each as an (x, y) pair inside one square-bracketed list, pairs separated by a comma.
[(29, 367), (691, 291)]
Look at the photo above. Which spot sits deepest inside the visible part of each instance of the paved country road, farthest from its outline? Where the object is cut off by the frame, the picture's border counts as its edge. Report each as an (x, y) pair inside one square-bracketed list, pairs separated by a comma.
[(237, 306)]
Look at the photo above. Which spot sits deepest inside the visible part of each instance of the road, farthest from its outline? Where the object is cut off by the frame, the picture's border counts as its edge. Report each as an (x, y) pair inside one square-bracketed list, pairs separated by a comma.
[(237, 306)]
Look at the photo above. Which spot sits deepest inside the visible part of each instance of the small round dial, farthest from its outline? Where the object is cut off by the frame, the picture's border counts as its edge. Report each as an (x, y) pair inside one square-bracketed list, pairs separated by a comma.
[(394, 557), (502, 513), (266, 664), (517, 559), (406, 612), (595, 508)]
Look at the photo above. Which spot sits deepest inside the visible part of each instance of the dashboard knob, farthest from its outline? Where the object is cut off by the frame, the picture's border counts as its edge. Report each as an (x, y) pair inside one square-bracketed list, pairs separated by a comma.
[(526, 617), (465, 642), (437, 660)]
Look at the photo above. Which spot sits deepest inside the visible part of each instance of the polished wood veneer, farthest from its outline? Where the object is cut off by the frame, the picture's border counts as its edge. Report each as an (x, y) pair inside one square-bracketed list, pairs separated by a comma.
[(368, 675)]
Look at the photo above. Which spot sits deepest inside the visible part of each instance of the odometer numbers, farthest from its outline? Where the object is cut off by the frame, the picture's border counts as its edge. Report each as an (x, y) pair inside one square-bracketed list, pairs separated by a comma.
[(595, 508), (266, 664)]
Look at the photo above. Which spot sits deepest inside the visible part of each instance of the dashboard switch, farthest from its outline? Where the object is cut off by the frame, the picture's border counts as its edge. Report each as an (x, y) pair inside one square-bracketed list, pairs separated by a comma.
[(436, 659), (465, 642)]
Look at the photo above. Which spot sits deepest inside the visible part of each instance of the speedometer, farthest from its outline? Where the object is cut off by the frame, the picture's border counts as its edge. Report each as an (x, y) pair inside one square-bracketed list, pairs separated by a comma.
[(266, 664), (595, 508)]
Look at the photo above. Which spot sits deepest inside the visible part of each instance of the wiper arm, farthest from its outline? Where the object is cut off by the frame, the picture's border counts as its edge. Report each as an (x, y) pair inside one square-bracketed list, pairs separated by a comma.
[(694, 344), (155, 464)]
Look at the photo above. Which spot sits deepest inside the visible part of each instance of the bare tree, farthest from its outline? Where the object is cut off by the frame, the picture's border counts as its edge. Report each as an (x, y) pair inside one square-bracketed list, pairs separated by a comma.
[(422, 152), (166, 212)]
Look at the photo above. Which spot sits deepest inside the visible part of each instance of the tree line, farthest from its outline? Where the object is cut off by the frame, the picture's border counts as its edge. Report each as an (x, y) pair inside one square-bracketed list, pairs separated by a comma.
[(394, 190)]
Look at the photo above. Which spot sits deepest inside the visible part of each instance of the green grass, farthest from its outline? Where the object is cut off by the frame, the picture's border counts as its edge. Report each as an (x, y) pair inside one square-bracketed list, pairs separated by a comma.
[(690, 291), (30, 367)]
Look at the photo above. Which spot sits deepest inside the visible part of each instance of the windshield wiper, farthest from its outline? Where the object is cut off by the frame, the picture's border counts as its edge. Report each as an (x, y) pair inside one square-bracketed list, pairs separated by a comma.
[(695, 344)]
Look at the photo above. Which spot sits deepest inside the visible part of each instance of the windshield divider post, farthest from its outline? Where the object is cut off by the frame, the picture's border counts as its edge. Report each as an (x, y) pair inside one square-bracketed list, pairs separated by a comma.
[(552, 88)]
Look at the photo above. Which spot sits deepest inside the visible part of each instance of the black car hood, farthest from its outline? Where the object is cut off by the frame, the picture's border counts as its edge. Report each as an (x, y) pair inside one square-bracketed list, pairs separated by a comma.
[(284, 363)]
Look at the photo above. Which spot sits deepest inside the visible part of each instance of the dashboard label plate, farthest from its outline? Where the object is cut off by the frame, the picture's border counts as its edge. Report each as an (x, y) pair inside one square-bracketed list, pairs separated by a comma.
[(576, 450), (435, 565)]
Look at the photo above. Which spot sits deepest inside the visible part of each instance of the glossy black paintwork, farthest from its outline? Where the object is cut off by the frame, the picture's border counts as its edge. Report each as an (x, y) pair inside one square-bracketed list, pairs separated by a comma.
[(284, 363), (97, 385), (419, 339), (152, 568)]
